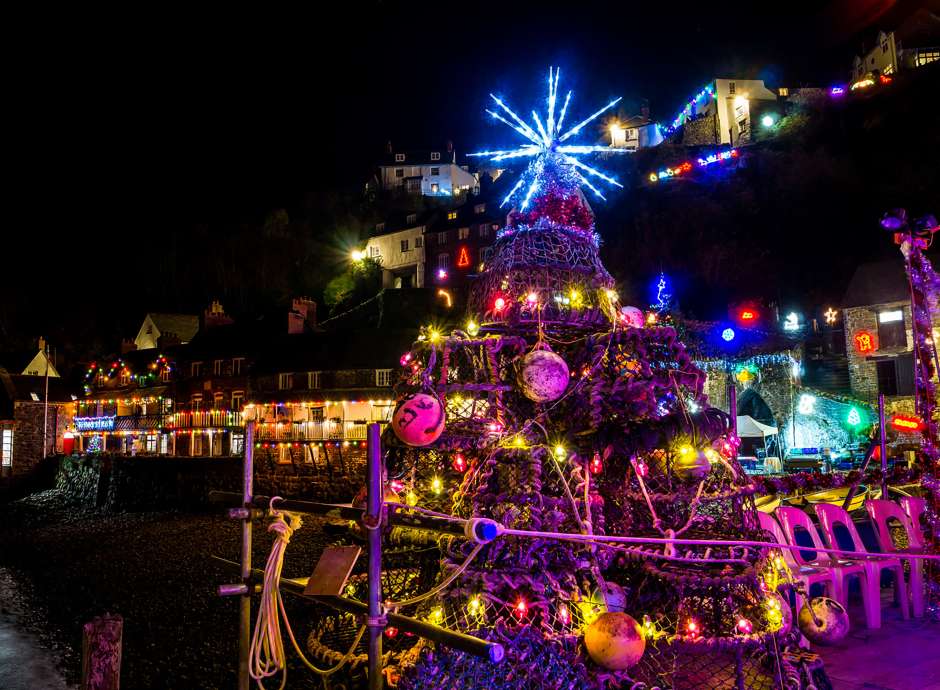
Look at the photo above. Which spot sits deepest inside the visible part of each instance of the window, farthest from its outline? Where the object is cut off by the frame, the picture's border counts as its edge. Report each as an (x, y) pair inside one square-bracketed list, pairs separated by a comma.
[(443, 261), (891, 330), (150, 443), (783, 91), (313, 379), (485, 253), (884, 47), (195, 369), (164, 444), (6, 448), (731, 87), (197, 444), (896, 375), (125, 377), (238, 444), (195, 403), (217, 367), (451, 215), (484, 231), (412, 218), (419, 242), (399, 158), (373, 251), (479, 208), (283, 454), (442, 237), (435, 172), (165, 374), (435, 155), (463, 233), (237, 366), (383, 378), (217, 399), (380, 227), (399, 172), (404, 246), (435, 188), (285, 382), (238, 400), (925, 57)]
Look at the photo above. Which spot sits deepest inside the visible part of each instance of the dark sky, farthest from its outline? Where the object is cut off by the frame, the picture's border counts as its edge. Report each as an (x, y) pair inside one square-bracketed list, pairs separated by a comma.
[(125, 124)]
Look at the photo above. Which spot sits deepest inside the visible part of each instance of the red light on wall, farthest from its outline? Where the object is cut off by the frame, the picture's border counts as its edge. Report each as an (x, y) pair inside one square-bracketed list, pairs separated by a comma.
[(463, 257), (903, 423), (748, 315), (865, 342)]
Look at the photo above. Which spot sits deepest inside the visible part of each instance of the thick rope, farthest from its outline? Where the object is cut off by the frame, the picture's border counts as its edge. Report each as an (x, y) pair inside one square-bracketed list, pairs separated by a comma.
[(266, 655)]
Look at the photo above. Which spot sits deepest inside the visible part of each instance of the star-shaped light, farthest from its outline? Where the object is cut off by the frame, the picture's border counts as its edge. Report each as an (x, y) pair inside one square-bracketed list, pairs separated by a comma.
[(831, 315), (553, 161)]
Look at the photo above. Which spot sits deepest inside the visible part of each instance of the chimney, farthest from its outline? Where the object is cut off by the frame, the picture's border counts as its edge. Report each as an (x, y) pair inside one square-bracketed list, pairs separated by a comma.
[(127, 345), (302, 315), (215, 315), (450, 146), (388, 147)]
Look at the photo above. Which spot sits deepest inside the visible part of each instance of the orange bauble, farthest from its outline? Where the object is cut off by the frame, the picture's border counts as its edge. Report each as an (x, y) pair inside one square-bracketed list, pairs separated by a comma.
[(615, 641)]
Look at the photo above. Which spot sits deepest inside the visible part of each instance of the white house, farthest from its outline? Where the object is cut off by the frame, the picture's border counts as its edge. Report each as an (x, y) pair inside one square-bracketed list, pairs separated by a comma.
[(428, 173), (401, 253), (180, 328), (634, 133), (733, 99), (915, 42)]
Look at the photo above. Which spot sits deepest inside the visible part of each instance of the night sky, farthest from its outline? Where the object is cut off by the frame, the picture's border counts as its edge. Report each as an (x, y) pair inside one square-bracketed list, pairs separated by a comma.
[(130, 126)]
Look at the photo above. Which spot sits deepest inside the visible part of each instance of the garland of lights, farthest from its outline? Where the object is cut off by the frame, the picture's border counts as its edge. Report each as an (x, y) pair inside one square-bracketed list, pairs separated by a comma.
[(687, 166), (686, 113), (120, 367)]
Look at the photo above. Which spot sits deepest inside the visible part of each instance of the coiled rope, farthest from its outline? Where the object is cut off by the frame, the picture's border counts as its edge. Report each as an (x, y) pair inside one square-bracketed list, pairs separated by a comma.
[(266, 656)]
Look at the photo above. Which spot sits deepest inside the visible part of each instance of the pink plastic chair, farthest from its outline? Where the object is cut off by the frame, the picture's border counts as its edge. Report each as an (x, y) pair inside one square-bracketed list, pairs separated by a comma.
[(881, 512), (830, 517), (842, 569), (807, 574)]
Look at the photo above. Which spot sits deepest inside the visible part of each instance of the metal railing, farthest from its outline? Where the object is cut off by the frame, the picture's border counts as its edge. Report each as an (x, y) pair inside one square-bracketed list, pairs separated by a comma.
[(205, 419), (325, 430)]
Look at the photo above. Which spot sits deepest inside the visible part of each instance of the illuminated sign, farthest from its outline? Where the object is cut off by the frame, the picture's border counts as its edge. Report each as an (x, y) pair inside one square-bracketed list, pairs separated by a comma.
[(865, 342), (890, 316), (728, 335), (463, 257), (837, 91), (792, 322), (903, 423), (105, 423)]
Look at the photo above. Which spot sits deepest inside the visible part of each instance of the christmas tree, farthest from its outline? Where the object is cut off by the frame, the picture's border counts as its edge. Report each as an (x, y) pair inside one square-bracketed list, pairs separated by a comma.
[(569, 418)]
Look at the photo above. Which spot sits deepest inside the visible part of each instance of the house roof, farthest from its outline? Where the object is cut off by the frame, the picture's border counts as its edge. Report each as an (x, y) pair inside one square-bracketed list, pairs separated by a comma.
[(419, 157), (877, 283), (336, 350), (23, 388), (185, 326)]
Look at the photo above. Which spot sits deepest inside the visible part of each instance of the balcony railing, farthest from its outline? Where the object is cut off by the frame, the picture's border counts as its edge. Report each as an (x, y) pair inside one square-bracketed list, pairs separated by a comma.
[(326, 430), (205, 419)]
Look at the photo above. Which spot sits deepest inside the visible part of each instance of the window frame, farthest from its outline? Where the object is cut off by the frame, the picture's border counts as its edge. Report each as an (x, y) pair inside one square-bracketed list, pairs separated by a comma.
[(399, 158), (6, 447), (285, 381), (404, 245), (314, 380), (217, 367), (383, 378), (237, 363), (195, 369), (435, 155)]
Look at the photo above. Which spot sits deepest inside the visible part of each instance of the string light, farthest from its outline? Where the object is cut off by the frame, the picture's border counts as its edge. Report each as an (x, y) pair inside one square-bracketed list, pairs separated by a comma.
[(521, 609), (692, 628), (564, 615), (560, 452), (437, 485), (473, 328), (475, 606), (744, 626), (458, 462)]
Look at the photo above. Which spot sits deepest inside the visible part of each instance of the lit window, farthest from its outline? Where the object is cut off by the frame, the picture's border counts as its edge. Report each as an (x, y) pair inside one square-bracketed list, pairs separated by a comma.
[(285, 382), (165, 374), (731, 87), (6, 448), (463, 233), (783, 91), (479, 208), (891, 331), (435, 188), (150, 443), (283, 454), (399, 158), (197, 444), (404, 246), (217, 399), (452, 215), (238, 444), (195, 403), (890, 316), (125, 378), (383, 378), (313, 379), (435, 155), (238, 400), (373, 251)]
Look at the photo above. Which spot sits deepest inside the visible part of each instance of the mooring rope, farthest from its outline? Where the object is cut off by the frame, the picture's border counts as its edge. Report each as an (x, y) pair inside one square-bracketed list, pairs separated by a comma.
[(266, 656)]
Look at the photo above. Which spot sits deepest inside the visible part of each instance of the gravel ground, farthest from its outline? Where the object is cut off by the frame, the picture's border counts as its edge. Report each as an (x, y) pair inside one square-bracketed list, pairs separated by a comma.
[(63, 566)]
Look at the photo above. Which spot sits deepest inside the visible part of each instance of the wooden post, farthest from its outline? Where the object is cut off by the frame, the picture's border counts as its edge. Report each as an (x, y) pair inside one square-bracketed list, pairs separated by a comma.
[(101, 653)]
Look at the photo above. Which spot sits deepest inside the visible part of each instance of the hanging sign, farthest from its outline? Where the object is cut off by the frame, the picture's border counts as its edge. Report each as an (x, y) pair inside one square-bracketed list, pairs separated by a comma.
[(865, 342), (900, 422)]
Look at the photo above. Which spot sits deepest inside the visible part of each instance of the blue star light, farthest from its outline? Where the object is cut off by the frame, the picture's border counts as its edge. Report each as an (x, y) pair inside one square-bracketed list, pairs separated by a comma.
[(552, 161)]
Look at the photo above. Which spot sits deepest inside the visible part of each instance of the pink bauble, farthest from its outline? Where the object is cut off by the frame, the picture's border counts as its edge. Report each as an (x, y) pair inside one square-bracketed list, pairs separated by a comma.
[(615, 641), (832, 624), (419, 420), (632, 317), (544, 376)]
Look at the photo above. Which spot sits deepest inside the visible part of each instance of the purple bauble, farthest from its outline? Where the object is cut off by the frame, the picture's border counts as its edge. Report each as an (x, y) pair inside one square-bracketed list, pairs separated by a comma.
[(544, 376), (633, 317), (419, 420)]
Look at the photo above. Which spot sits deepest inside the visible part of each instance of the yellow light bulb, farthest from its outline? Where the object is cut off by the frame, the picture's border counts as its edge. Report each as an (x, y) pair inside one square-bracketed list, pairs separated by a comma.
[(560, 452), (411, 498), (475, 606), (437, 485), (437, 615), (473, 328)]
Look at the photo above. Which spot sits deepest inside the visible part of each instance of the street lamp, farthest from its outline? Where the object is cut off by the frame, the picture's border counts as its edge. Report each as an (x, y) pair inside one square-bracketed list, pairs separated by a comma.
[(358, 255), (767, 121)]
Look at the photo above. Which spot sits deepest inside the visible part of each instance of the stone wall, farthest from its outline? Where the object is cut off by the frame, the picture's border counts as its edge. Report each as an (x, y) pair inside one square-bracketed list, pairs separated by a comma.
[(702, 131), (863, 371), (124, 483), (27, 433)]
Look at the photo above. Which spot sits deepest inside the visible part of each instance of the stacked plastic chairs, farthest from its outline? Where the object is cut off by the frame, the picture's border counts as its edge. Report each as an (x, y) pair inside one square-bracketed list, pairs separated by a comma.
[(882, 512), (807, 574), (830, 518)]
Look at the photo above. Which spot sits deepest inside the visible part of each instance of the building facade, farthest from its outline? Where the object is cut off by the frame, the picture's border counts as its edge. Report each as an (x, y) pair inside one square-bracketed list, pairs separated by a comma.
[(427, 173), (401, 253), (459, 241), (30, 428)]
